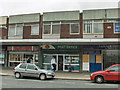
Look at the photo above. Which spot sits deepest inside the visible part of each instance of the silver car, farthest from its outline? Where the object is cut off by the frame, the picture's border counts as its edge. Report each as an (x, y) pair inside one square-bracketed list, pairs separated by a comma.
[(27, 69)]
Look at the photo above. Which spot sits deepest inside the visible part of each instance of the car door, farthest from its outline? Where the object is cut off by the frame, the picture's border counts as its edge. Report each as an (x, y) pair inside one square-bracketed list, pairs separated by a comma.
[(114, 74), (22, 69), (32, 71)]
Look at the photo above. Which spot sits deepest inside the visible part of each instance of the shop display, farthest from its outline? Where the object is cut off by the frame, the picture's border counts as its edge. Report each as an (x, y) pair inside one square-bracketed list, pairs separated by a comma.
[(2, 58), (72, 60)]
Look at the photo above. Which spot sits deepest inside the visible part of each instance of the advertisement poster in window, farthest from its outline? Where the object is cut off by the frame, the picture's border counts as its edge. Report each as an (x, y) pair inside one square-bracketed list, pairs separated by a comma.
[(2, 58), (86, 62), (117, 28)]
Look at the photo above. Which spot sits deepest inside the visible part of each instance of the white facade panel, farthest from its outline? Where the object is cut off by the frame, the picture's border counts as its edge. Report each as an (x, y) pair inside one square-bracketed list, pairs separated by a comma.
[(50, 36), (87, 36), (3, 20), (94, 14), (59, 16)]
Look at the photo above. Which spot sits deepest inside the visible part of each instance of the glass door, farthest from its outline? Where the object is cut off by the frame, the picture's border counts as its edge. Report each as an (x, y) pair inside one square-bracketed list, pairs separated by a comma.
[(60, 62)]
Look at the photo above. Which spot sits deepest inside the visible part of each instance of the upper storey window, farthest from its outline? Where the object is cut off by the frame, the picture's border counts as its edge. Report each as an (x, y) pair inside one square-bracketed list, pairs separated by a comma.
[(15, 30), (74, 26), (51, 27), (34, 28), (93, 26)]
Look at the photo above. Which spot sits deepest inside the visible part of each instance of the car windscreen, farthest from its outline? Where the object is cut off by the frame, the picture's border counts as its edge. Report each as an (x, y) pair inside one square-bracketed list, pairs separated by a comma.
[(107, 68)]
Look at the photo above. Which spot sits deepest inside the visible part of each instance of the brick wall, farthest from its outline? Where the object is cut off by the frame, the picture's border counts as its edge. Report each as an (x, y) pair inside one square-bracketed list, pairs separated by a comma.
[(65, 30), (27, 31), (3, 33), (109, 32)]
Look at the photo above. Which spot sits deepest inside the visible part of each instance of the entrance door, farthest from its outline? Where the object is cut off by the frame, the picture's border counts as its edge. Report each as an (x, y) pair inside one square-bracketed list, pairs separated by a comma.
[(95, 63), (60, 62)]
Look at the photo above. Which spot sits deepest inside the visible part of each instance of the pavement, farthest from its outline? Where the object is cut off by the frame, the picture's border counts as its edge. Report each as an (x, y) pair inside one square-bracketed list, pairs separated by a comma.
[(5, 71)]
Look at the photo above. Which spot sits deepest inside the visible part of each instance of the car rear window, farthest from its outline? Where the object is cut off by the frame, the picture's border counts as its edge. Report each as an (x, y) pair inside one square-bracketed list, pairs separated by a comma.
[(23, 66)]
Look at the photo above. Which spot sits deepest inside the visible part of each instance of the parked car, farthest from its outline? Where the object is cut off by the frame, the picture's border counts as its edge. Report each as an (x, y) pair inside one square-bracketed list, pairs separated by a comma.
[(111, 73), (31, 70)]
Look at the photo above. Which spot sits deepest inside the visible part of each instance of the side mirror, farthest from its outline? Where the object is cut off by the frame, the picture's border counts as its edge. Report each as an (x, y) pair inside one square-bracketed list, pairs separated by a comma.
[(107, 70)]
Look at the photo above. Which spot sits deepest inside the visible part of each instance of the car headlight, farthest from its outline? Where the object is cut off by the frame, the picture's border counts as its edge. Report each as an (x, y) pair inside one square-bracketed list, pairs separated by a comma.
[(49, 73), (91, 75)]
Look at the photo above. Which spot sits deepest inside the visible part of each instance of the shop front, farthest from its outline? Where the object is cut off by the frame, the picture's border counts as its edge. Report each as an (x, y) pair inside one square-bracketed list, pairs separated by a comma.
[(2, 57), (63, 61), (99, 57), (65, 56), (20, 54), (81, 57)]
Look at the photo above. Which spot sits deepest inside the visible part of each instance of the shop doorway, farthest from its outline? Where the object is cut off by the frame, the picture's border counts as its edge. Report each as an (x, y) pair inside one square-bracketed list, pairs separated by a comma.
[(60, 63)]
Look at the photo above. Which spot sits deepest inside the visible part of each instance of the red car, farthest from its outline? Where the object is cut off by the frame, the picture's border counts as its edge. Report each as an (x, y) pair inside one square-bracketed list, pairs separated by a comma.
[(112, 73)]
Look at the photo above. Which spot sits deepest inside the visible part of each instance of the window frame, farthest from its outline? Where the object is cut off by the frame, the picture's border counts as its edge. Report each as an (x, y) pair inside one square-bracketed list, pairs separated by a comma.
[(21, 65), (38, 29), (71, 28), (31, 65), (51, 27), (15, 30), (118, 22), (92, 22), (112, 68)]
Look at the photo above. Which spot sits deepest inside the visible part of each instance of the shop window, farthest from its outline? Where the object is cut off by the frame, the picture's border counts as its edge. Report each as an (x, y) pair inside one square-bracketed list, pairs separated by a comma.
[(74, 28), (2, 58), (111, 57), (35, 29), (36, 57), (47, 61), (15, 57), (72, 60)]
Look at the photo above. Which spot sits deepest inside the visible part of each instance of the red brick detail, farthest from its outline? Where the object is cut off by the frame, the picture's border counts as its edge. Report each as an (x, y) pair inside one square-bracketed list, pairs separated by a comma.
[(65, 30), (109, 33), (27, 31), (3, 33)]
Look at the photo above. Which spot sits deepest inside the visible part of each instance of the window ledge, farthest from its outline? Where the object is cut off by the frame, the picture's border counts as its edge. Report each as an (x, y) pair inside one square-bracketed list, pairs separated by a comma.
[(74, 33), (92, 33)]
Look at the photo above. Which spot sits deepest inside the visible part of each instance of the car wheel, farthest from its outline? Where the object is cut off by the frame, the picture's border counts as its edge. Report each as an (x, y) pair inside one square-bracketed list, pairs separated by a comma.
[(99, 79), (17, 75), (42, 77)]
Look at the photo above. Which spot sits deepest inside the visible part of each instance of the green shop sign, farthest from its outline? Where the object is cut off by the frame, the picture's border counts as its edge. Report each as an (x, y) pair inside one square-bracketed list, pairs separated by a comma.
[(74, 47)]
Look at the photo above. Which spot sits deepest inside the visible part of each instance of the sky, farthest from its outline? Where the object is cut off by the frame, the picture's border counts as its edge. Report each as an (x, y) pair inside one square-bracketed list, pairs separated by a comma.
[(15, 7)]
